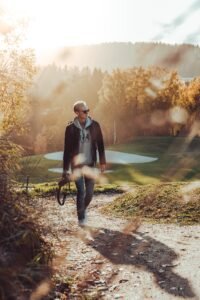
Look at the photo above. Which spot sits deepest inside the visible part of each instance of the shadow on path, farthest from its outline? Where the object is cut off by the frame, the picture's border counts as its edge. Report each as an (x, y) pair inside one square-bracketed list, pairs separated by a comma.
[(142, 251)]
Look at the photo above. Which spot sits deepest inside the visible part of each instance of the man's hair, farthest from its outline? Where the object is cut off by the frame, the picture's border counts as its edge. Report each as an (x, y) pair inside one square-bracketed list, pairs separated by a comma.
[(78, 104)]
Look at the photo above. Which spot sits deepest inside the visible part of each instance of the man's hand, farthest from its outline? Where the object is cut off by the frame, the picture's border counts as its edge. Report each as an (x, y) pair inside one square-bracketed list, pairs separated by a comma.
[(65, 178), (102, 168), (65, 174)]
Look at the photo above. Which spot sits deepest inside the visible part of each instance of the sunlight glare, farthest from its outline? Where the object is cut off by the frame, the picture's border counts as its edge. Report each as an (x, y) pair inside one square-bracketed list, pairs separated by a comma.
[(50, 25), (188, 189), (178, 115)]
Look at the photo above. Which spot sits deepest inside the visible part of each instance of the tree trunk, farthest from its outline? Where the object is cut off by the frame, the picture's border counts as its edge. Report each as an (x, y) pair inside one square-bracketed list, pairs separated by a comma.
[(114, 133)]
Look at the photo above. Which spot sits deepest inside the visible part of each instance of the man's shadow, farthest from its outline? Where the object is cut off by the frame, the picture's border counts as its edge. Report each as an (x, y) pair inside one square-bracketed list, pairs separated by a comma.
[(144, 252)]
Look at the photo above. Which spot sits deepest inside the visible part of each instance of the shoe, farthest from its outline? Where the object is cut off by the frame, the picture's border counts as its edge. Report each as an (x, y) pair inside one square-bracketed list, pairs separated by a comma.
[(82, 222)]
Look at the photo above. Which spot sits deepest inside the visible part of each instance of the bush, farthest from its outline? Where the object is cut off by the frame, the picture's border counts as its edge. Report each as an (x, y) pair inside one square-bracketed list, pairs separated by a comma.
[(24, 255)]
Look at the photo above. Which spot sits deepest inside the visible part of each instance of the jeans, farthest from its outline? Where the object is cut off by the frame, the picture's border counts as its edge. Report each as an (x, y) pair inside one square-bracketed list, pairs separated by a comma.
[(85, 190)]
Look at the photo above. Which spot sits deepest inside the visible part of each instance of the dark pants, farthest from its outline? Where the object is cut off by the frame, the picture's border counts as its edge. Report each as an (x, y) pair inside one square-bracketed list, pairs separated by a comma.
[(85, 190)]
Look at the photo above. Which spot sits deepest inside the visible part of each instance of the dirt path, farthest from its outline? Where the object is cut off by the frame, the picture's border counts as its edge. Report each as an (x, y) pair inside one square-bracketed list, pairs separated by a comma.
[(114, 259)]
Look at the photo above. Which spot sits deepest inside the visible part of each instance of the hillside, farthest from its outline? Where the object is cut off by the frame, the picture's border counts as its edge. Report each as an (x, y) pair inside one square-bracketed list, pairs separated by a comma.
[(108, 56)]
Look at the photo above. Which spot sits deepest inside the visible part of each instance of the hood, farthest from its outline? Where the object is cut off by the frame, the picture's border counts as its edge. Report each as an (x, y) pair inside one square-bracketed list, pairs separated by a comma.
[(87, 124), (83, 131)]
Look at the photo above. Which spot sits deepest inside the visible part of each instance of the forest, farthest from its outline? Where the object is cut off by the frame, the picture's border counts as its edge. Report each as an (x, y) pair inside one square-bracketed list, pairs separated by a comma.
[(128, 102)]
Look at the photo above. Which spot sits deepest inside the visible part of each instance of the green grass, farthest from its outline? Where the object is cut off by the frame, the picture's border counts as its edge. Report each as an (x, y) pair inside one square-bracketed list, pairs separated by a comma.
[(36, 167), (163, 202), (47, 189), (176, 162)]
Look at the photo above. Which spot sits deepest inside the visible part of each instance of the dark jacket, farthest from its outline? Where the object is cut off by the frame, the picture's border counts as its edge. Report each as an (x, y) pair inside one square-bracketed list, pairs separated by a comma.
[(71, 146)]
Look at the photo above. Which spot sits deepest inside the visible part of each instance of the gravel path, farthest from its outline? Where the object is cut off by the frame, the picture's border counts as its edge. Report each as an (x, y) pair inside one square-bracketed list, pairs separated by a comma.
[(112, 258)]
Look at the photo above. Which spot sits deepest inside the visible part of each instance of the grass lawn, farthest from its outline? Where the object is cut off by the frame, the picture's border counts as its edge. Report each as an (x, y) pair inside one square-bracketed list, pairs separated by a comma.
[(177, 161), (36, 167)]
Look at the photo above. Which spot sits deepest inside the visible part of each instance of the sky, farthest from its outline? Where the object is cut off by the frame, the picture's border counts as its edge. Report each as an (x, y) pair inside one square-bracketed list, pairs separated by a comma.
[(50, 24)]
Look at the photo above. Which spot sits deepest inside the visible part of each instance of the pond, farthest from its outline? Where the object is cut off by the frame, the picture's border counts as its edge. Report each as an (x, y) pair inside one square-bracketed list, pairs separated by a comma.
[(115, 157)]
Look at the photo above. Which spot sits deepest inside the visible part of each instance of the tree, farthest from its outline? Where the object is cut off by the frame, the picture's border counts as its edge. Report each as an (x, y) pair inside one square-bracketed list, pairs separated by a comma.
[(191, 102), (16, 72)]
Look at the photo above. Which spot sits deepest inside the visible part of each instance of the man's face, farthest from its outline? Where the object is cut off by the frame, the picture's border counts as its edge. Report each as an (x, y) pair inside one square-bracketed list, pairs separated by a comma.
[(82, 112)]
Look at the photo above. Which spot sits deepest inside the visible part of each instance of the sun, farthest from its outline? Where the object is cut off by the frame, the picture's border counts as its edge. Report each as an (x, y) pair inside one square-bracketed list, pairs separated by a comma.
[(58, 23)]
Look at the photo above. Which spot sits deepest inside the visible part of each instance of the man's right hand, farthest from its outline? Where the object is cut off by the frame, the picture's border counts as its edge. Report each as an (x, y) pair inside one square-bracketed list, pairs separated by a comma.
[(65, 174), (65, 178)]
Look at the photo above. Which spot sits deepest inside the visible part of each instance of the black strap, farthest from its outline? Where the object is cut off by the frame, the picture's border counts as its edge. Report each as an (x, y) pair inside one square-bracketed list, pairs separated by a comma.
[(61, 200)]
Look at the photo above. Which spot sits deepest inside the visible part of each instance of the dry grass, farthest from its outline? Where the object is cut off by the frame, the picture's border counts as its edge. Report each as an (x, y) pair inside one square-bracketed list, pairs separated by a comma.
[(163, 202), (24, 256)]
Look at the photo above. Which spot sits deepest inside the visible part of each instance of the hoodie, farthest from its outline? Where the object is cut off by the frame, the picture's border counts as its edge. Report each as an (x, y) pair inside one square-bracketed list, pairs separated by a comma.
[(85, 144)]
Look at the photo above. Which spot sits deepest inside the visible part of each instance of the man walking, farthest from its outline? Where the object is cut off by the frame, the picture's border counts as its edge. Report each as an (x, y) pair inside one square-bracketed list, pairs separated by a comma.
[(83, 137)]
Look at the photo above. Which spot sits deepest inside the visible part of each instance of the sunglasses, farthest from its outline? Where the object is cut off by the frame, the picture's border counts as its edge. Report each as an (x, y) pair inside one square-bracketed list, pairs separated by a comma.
[(84, 111)]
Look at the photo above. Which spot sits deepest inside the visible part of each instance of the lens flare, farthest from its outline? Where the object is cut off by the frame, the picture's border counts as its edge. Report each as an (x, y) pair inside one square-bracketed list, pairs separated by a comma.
[(158, 84), (195, 130), (178, 115), (89, 172), (76, 174), (79, 159), (188, 189), (150, 92), (5, 27), (41, 291)]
